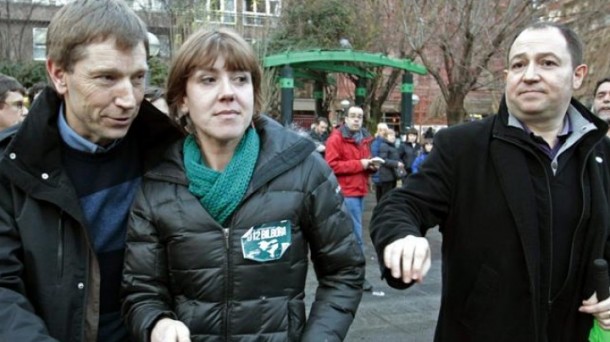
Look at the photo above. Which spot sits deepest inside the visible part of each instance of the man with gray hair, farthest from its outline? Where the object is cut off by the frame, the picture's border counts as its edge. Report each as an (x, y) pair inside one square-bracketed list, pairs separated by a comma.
[(69, 176)]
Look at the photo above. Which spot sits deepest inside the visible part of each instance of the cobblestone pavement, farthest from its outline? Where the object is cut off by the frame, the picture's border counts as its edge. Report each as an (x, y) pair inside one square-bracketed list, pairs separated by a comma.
[(387, 314)]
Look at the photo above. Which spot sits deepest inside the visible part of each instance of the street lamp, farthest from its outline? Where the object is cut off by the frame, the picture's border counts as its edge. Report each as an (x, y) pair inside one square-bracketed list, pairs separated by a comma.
[(345, 105), (415, 99), (154, 46)]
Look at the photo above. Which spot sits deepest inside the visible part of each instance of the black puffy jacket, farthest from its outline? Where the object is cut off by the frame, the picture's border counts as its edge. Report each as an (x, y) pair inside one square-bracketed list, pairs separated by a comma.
[(180, 263), (389, 153)]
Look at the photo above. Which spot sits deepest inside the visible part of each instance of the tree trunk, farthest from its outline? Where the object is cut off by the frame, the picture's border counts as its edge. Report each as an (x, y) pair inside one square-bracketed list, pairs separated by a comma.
[(455, 108)]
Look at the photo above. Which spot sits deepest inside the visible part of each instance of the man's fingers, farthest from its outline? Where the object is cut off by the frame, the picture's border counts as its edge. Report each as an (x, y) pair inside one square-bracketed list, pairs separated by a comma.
[(408, 258), (391, 257), (421, 260), (183, 333), (421, 255)]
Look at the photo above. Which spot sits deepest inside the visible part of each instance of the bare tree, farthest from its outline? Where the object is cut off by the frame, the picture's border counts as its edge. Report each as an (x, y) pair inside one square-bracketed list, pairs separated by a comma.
[(591, 19), (15, 20), (458, 40)]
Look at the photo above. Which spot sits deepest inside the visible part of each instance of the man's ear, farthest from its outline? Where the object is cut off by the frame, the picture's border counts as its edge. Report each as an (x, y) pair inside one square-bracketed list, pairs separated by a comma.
[(579, 75), (58, 76)]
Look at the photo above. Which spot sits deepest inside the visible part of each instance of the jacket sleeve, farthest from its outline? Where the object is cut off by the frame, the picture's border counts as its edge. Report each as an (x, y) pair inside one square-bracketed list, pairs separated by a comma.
[(375, 147), (145, 293), (337, 260), (417, 163), (18, 320), (384, 153), (337, 160), (422, 203)]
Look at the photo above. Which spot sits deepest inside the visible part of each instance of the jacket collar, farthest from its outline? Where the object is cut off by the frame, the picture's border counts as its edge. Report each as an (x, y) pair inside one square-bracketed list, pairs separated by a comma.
[(281, 150), (35, 164), (6, 135), (502, 127)]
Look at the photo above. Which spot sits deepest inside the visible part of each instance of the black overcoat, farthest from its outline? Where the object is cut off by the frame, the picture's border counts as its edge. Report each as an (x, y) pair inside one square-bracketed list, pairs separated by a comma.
[(477, 187)]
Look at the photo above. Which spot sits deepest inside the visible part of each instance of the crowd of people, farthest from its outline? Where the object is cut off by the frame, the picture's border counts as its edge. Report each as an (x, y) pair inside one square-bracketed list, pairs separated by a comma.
[(186, 214)]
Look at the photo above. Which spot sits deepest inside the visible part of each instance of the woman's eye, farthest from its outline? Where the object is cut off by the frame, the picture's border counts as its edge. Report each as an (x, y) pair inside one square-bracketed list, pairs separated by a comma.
[(241, 78)]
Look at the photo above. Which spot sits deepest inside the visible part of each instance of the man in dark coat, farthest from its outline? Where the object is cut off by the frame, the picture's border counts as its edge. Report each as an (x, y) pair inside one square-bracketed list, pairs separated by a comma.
[(69, 175), (522, 200)]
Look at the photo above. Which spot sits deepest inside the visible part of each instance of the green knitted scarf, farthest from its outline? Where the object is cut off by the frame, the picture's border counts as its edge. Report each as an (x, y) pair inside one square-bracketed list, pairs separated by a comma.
[(220, 192)]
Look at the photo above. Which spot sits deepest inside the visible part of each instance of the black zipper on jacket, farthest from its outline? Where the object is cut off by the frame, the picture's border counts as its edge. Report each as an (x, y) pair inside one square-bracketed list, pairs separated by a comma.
[(228, 278), (534, 303), (60, 246), (578, 226), (580, 221)]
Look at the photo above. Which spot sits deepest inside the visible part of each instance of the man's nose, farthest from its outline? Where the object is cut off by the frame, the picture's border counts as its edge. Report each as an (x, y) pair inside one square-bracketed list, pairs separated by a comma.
[(531, 72), (126, 97)]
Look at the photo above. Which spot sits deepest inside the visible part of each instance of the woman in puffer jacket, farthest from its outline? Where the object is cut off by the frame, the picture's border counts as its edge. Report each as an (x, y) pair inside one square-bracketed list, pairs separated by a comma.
[(392, 166), (219, 234)]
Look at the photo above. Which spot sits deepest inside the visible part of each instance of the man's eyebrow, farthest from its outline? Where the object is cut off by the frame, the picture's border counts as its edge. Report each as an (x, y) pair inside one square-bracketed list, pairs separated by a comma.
[(538, 55), (112, 70)]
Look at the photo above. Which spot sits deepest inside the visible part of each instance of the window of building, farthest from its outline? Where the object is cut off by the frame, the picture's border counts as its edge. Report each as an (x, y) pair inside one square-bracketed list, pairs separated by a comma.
[(39, 41), (147, 5), (256, 12), (221, 11)]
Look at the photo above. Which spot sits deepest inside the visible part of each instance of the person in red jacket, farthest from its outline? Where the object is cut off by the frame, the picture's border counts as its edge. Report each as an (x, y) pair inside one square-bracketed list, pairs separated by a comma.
[(348, 153)]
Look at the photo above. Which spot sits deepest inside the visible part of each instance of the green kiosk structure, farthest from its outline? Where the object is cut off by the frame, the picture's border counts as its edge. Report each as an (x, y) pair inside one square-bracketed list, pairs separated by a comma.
[(314, 65)]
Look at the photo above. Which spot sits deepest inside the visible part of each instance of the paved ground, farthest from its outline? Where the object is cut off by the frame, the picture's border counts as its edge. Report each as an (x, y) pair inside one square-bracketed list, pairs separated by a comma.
[(407, 315)]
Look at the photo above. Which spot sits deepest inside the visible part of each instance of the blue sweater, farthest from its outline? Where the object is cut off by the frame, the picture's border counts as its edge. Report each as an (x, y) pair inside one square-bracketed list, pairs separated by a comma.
[(106, 184)]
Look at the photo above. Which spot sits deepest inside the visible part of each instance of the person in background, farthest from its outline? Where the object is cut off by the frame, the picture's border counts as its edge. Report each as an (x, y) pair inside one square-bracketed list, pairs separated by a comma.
[(69, 175), (522, 199), (221, 231), (348, 153), (12, 103), (382, 128), (423, 154), (601, 100), (391, 166), (319, 133), (156, 96), (409, 150)]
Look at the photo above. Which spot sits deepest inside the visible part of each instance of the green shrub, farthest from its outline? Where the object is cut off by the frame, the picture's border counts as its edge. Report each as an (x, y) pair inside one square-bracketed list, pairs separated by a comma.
[(26, 73), (158, 72)]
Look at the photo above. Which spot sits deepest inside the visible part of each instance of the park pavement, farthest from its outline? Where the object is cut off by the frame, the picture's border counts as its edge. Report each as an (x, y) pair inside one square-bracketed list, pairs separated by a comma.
[(387, 314)]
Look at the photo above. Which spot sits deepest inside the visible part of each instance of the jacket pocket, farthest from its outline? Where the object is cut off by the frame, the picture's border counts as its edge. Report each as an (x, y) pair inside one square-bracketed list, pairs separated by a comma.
[(481, 300), (296, 319)]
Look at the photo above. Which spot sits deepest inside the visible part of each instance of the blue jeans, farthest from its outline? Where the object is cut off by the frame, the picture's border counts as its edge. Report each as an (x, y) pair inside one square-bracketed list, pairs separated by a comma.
[(355, 206)]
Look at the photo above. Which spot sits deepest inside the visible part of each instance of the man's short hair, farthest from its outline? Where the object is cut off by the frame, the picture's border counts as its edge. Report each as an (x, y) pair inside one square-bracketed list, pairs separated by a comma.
[(354, 106), (575, 45), (84, 22), (8, 84), (599, 83), (320, 119)]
